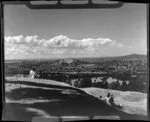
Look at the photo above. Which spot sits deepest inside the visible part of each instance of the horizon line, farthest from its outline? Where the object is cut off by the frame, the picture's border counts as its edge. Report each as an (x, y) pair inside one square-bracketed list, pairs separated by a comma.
[(75, 57)]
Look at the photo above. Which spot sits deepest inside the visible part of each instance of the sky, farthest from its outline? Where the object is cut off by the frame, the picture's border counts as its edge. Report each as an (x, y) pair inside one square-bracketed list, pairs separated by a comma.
[(72, 33)]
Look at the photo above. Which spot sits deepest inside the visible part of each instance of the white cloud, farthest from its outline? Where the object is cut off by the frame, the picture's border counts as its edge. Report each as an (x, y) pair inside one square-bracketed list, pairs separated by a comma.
[(14, 39), (57, 45)]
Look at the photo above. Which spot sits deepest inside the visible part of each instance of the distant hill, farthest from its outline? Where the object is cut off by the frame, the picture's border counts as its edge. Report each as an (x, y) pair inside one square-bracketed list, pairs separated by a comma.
[(86, 60), (78, 61), (126, 57), (132, 57)]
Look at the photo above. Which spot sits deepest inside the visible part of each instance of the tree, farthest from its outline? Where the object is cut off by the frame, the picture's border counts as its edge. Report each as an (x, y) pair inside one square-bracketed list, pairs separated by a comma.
[(124, 86), (115, 85), (105, 84), (86, 82)]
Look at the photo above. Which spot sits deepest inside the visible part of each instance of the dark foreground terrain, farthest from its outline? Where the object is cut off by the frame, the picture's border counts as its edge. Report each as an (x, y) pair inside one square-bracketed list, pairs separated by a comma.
[(26, 98)]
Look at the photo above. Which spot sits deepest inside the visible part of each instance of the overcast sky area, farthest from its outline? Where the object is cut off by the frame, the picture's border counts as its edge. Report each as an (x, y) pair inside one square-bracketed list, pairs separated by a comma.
[(70, 33)]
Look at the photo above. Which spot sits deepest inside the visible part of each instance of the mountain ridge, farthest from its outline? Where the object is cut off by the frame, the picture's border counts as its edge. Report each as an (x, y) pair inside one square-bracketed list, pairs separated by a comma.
[(125, 57)]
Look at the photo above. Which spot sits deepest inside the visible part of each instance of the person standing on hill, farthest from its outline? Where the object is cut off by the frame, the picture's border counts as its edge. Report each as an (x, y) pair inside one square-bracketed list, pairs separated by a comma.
[(32, 74), (108, 95), (111, 100), (106, 99)]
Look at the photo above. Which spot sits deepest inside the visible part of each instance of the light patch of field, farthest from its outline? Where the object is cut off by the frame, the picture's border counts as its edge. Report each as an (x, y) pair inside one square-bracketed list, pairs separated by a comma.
[(88, 65), (52, 82), (83, 73), (30, 101), (9, 87), (133, 102)]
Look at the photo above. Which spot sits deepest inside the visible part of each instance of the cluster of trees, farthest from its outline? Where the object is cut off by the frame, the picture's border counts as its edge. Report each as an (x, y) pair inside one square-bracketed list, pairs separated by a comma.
[(134, 84), (122, 66), (112, 66), (80, 83), (114, 85)]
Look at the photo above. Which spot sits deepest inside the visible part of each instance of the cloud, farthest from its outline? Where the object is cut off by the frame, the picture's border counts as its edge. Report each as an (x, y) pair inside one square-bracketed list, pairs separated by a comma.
[(66, 42), (14, 39), (57, 45)]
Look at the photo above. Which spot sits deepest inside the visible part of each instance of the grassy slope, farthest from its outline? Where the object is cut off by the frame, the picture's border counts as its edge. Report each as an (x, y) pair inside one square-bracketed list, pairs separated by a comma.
[(133, 102), (52, 82), (63, 100)]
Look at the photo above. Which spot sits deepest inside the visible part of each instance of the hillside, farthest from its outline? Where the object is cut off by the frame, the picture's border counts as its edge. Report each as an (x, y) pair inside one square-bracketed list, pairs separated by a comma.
[(126, 57), (27, 79), (132, 57), (133, 102), (26, 98)]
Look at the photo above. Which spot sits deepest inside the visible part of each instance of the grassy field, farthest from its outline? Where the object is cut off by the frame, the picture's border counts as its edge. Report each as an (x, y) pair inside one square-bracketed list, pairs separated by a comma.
[(26, 98), (133, 102)]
